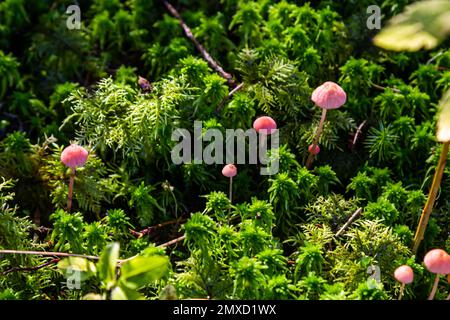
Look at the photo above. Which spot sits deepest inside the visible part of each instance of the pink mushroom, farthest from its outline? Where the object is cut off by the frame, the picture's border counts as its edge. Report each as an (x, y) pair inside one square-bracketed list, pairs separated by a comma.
[(314, 149), (230, 171), (405, 275), (265, 125), (437, 261), (73, 156), (327, 96)]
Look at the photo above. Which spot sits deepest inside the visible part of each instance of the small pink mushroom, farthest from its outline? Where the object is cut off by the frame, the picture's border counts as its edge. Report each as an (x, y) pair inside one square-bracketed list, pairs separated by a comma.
[(327, 96), (314, 149), (265, 124), (73, 156), (229, 170), (437, 261), (405, 275)]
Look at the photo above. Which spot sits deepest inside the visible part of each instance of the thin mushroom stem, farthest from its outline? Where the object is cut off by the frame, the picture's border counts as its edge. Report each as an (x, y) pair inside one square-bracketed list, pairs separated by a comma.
[(448, 298), (435, 285), (231, 192), (71, 182), (311, 156), (431, 197), (402, 289)]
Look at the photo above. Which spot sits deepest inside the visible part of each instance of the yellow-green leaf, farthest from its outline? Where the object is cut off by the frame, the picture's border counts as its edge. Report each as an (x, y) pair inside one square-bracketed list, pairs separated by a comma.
[(423, 25), (143, 270), (84, 266), (107, 264), (443, 122)]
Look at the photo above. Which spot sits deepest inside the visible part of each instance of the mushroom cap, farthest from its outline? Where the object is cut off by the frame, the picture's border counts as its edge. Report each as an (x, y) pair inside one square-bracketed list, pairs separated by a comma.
[(404, 274), (437, 261), (266, 123), (314, 149), (329, 96), (74, 156), (229, 170)]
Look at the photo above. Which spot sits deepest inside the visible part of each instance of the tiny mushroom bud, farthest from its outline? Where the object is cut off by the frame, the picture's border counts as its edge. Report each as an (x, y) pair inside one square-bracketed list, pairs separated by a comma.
[(229, 170), (314, 149), (404, 274), (266, 124), (437, 261), (74, 156), (329, 96), (145, 84)]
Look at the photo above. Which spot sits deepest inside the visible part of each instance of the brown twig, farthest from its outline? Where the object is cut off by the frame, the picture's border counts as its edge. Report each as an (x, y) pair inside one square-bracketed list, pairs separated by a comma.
[(49, 254), (426, 212), (66, 255), (349, 222), (171, 242), (153, 228), (384, 88), (357, 133), (211, 62), (228, 97), (166, 244), (28, 269)]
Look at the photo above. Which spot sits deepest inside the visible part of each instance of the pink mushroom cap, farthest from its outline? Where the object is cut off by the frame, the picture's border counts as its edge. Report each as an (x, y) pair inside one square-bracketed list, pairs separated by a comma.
[(437, 261), (229, 170), (314, 149), (74, 156), (404, 274), (265, 123), (329, 95)]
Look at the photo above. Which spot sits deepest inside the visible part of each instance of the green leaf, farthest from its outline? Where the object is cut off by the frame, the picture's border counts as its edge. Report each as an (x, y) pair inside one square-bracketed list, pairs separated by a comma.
[(106, 266), (443, 122), (93, 296), (422, 25), (126, 290), (140, 271), (83, 265), (118, 294)]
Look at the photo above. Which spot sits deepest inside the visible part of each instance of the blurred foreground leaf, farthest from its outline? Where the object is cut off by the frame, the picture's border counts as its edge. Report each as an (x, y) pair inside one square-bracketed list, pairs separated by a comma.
[(443, 123), (423, 25)]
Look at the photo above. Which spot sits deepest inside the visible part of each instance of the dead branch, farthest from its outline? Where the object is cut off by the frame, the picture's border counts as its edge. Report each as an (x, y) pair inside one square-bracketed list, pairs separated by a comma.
[(228, 97), (28, 269), (211, 62), (349, 222)]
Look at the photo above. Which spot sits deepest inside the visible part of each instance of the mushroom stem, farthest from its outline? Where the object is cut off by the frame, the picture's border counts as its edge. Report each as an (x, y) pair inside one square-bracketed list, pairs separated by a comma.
[(402, 289), (231, 193), (71, 182), (431, 198), (435, 285), (448, 298), (311, 156)]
